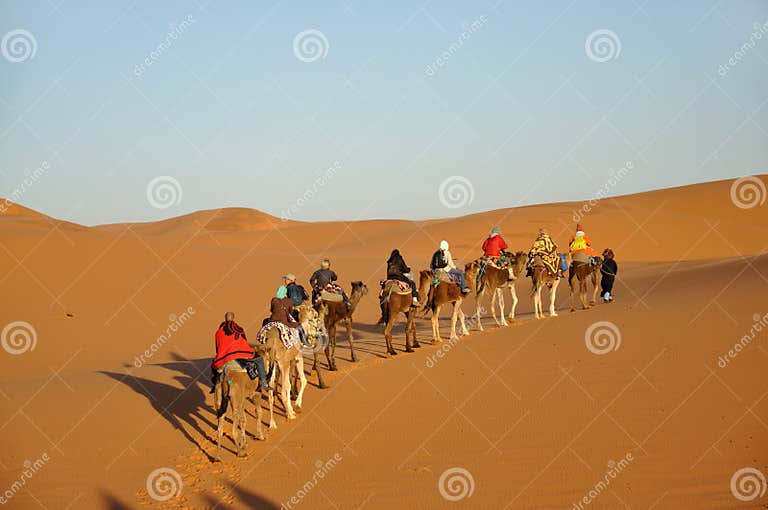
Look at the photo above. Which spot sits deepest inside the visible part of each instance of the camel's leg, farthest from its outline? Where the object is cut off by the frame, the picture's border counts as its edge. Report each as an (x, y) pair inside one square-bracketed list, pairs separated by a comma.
[(318, 370), (285, 392), (271, 389), (242, 449), (220, 402), (454, 316), (500, 292), (597, 289), (351, 339), (260, 415), (513, 292), (408, 343), (573, 291), (583, 292), (478, 311), (410, 326), (302, 380), (436, 325), (462, 318), (388, 334), (237, 398), (494, 300), (553, 297), (330, 351), (537, 300)]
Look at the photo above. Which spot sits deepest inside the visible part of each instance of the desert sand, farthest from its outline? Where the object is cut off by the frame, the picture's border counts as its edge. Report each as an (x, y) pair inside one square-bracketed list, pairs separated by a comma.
[(532, 417)]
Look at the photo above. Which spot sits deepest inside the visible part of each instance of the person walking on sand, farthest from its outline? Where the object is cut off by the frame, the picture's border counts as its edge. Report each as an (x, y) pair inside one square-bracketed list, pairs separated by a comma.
[(609, 270)]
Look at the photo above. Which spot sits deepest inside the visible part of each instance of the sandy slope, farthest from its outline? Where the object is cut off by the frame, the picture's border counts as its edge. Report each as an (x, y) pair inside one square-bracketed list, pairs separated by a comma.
[(532, 414)]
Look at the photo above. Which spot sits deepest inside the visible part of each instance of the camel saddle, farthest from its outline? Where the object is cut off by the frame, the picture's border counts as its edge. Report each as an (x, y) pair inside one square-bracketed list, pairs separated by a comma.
[(394, 286), (289, 336), (580, 258)]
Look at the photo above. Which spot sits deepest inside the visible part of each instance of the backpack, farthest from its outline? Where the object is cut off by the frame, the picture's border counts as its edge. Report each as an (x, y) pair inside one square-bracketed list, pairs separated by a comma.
[(296, 293)]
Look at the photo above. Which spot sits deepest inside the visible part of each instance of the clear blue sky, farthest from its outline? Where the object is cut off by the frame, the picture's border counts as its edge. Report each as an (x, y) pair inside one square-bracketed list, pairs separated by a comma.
[(518, 107)]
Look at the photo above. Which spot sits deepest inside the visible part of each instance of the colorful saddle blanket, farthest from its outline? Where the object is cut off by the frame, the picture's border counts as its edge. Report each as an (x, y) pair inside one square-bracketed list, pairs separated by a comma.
[(289, 336), (396, 286)]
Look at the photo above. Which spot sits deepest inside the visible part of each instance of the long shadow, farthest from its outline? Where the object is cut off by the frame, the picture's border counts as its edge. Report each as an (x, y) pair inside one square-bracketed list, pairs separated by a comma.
[(112, 503), (179, 406)]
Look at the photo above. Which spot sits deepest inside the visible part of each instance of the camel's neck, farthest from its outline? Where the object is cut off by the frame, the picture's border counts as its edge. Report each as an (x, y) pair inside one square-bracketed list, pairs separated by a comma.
[(354, 299)]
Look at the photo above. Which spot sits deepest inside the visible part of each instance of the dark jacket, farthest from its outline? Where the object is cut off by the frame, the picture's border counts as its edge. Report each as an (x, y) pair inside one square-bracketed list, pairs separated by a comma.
[(396, 266), (609, 269), (322, 277), (280, 311), (297, 293), (438, 260)]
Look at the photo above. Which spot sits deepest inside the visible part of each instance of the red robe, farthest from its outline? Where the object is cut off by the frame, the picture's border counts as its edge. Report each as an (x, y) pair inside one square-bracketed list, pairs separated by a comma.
[(229, 347), (493, 245)]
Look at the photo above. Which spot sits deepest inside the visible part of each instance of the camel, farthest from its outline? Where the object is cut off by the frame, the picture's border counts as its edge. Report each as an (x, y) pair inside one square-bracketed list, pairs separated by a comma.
[(582, 272), (235, 386), (495, 280), (444, 293), (518, 268), (541, 277), (337, 312), (393, 303), (233, 394), (313, 322)]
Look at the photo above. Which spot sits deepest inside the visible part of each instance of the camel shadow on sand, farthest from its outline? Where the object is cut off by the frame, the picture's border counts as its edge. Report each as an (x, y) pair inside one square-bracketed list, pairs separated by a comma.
[(186, 406)]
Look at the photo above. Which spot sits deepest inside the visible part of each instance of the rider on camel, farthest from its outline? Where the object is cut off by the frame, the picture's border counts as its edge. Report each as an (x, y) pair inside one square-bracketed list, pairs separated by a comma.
[(231, 344), (323, 278), (581, 247), (397, 269), (443, 261), (494, 246), (544, 252), (281, 310)]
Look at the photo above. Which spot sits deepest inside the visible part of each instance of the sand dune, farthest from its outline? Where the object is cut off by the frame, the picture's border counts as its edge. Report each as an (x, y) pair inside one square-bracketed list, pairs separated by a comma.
[(528, 411)]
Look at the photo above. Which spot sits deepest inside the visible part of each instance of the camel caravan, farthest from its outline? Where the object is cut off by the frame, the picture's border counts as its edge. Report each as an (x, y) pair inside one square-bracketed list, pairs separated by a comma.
[(302, 324)]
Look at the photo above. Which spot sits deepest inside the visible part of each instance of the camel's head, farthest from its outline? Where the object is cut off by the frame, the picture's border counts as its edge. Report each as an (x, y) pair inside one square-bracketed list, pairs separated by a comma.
[(521, 259), (359, 288)]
